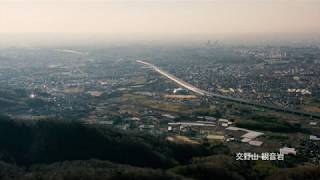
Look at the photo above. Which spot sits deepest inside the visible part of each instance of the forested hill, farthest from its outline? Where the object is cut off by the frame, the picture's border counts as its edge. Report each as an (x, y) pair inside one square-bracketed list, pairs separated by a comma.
[(69, 150), (26, 143)]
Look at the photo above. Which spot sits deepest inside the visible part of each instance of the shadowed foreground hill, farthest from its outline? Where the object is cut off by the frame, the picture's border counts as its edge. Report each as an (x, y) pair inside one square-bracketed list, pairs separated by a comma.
[(59, 150), (84, 170), (49, 141)]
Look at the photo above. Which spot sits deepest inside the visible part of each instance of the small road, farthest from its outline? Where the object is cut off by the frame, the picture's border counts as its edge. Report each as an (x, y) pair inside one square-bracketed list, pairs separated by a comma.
[(208, 94)]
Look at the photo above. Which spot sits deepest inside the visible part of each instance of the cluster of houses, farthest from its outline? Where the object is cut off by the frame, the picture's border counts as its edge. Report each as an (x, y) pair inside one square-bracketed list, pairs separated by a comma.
[(214, 129), (208, 128)]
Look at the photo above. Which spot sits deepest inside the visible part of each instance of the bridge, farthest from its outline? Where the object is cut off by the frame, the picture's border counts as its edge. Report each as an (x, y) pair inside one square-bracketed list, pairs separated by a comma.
[(208, 94)]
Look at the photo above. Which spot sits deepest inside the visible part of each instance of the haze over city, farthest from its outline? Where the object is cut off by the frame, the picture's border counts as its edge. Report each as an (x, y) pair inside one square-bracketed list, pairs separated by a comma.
[(155, 17)]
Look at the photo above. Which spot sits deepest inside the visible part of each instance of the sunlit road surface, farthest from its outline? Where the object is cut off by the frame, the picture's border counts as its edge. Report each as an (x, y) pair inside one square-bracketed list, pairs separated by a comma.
[(177, 80), (201, 92)]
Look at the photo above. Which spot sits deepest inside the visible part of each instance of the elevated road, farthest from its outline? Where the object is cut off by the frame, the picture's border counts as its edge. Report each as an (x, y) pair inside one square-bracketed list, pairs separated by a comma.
[(201, 92)]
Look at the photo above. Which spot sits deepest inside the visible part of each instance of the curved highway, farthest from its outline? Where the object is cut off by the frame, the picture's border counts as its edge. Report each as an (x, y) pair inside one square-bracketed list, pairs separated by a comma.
[(210, 94)]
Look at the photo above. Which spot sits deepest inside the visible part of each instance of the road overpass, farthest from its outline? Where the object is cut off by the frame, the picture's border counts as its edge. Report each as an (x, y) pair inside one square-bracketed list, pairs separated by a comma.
[(208, 94)]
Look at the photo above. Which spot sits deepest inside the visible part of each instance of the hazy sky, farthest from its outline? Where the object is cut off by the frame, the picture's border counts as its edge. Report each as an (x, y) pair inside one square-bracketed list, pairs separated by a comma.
[(159, 16)]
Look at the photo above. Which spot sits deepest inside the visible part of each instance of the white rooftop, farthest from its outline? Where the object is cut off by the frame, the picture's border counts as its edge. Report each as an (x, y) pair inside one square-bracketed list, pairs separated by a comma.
[(286, 151), (223, 120), (168, 116), (256, 143), (232, 128), (224, 124), (252, 135), (245, 140), (313, 123), (314, 138), (190, 124)]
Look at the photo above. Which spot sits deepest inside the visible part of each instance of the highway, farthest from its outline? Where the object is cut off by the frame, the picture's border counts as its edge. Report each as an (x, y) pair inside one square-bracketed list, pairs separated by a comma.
[(208, 94)]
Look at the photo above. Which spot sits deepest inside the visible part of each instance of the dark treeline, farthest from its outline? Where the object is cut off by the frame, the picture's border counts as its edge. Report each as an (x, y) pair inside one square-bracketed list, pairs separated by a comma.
[(68, 150), (26, 143)]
